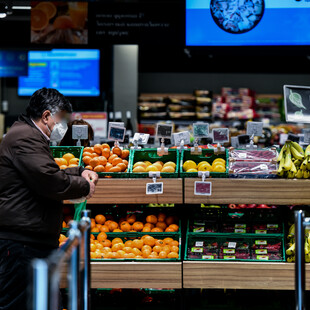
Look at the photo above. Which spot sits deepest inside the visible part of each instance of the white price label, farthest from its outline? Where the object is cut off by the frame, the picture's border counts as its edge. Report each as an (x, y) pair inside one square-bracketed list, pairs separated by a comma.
[(79, 132), (116, 132), (154, 188), (242, 155), (201, 130), (203, 188), (234, 142), (283, 138), (306, 136), (141, 138), (199, 244), (254, 128), (232, 245), (164, 131), (220, 135), (181, 136)]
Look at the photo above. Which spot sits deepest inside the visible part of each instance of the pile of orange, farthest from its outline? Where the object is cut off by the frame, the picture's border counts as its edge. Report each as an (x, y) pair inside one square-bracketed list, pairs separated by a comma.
[(145, 247), (147, 166), (67, 161), (100, 158), (152, 223)]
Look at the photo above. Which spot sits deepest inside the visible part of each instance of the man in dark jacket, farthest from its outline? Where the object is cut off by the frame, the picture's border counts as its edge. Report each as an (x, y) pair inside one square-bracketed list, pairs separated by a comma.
[(32, 188)]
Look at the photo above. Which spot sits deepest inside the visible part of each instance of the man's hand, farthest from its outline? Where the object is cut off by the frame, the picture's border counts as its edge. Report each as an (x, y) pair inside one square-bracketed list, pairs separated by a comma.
[(90, 176), (91, 190)]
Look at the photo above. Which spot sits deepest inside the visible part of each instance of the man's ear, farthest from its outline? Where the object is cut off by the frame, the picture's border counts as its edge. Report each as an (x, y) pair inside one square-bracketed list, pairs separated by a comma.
[(45, 116)]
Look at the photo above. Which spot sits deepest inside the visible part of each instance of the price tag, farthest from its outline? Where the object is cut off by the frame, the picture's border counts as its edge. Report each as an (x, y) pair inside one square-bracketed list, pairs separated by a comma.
[(240, 225), (200, 130), (154, 188), (306, 136), (199, 244), (207, 257), (271, 226), (181, 136), (229, 251), (240, 231), (283, 138), (203, 188), (163, 131), (79, 132), (196, 250), (199, 229), (242, 155), (234, 142), (261, 251), (261, 242), (254, 128), (229, 257), (220, 135), (116, 132), (262, 257), (141, 138), (261, 231), (264, 167), (232, 245)]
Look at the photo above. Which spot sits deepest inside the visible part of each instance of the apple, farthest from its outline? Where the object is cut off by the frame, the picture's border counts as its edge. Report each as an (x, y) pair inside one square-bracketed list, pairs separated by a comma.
[(252, 206), (263, 206), (242, 206)]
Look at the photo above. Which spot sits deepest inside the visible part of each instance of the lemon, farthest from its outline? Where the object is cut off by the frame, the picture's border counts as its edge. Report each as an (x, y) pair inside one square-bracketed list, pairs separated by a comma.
[(219, 168), (151, 168), (219, 160), (158, 165), (168, 169), (192, 170), (147, 163), (139, 169), (189, 164), (205, 167), (170, 163), (140, 163)]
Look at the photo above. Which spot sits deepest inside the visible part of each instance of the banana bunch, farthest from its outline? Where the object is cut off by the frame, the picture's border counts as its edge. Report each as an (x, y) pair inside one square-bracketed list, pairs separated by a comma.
[(293, 161), (290, 252)]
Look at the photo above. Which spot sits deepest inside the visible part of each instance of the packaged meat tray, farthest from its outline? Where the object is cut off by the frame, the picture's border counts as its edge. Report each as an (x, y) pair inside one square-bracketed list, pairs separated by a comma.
[(202, 249), (235, 249), (271, 228), (269, 249), (261, 156), (254, 169)]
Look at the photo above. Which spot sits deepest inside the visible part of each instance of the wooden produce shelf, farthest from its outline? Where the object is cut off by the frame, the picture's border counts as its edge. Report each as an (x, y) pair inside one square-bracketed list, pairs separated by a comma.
[(268, 191), (241, 275), (133, 275), (110, 191)]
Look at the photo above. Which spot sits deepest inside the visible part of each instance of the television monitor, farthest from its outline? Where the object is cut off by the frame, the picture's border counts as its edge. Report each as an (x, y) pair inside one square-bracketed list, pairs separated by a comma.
[(247, 23), (73, 72), (13, 63)]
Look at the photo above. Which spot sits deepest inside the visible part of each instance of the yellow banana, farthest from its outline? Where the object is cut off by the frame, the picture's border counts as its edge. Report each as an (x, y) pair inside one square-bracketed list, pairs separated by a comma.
[(295, 153), (288, 159), (298, 148), (307, 151), (290, 250), (306, 248), (298, 162), (306, 174), (293, 169), (280, 156), (281, 164), (299, 174), (308, 164), (303, 166)]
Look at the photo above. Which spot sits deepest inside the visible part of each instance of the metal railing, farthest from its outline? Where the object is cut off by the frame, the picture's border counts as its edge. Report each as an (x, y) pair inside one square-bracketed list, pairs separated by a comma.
[(300, 280), (46, 272)]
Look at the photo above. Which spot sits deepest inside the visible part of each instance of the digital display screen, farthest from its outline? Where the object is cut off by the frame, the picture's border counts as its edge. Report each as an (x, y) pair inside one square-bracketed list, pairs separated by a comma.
[(13, 63), (72, 72), (247, 22)]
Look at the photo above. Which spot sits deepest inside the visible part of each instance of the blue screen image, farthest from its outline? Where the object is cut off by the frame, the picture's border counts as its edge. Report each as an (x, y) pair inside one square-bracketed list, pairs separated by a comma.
[(247, 22), (13, 63), (72, 72)]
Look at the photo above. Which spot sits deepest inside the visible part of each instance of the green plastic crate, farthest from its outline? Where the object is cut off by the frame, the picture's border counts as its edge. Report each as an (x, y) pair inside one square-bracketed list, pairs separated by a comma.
[(59, 151), (221, 238), (115, 174), (207, 155), (150, 154), (125, 237)]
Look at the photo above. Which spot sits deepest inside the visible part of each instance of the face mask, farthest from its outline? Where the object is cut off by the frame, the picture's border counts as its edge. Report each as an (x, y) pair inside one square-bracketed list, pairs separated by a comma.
[(58, 131)]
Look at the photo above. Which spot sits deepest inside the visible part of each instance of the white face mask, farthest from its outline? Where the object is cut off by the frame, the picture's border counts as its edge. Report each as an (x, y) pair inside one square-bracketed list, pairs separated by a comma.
[(58, 131)]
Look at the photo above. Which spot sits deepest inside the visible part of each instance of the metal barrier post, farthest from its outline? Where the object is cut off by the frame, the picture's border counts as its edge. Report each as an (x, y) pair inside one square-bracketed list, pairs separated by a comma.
[(40, 285), (86, 257), (74, 273), (300, 259)]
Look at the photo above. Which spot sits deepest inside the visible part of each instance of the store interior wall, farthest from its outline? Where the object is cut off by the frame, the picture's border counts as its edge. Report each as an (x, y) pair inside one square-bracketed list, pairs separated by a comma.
[(261, 83)]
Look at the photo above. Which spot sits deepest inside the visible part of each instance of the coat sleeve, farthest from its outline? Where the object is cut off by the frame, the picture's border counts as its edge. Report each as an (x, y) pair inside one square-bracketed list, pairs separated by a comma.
[(32, 159), (74, 171)]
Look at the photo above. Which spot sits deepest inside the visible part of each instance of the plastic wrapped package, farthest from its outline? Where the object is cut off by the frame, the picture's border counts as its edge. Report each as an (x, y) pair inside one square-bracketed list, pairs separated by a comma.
[(244, 168), (269, 249), (203, 249), (235, 249), (258, 156)]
